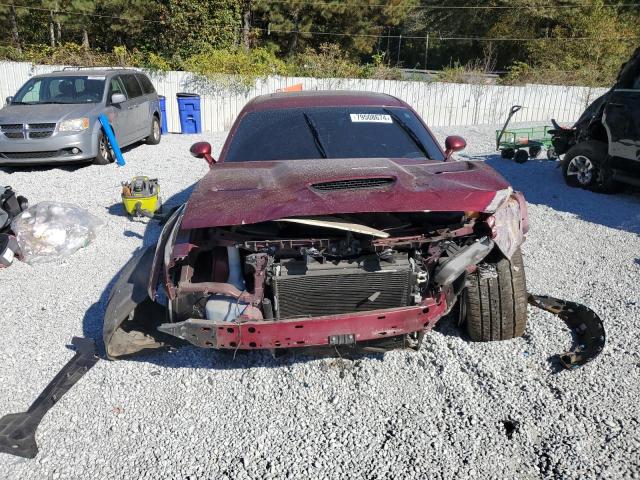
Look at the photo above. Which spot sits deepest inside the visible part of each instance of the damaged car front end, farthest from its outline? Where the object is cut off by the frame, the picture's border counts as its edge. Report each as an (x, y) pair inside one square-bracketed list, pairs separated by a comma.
[(333, 278), (360, 231)]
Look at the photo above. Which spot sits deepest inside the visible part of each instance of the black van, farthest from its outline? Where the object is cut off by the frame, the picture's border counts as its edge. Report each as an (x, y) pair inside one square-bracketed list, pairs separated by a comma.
[(602, 150)]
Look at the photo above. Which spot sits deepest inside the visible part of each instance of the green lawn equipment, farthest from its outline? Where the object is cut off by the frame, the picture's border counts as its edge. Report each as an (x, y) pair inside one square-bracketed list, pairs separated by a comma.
[(521, 143)]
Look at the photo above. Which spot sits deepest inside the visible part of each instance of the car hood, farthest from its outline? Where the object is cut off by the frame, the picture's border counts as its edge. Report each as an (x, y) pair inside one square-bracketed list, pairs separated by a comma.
[(252, 192), (47, 113)]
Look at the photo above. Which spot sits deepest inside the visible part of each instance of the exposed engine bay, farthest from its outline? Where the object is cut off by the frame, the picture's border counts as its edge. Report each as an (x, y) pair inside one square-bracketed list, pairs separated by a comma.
[(298, 268)]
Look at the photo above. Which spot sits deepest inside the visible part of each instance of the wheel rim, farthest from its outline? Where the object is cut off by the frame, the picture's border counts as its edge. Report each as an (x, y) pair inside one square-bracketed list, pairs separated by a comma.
[(104, 151), (156, 130), (581, 168)]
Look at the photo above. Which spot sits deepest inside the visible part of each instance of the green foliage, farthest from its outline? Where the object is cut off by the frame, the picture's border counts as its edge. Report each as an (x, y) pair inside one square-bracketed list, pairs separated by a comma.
[(290, 21), (235, 68), (328, 61), (65, 54), (327, 38), (195, 26)]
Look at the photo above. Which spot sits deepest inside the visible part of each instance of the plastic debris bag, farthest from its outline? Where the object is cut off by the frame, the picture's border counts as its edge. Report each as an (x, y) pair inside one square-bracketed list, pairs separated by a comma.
[(52, 230)]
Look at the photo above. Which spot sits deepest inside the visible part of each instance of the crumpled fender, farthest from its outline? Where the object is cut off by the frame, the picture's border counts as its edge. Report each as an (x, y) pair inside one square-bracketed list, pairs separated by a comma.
[(129, 292)]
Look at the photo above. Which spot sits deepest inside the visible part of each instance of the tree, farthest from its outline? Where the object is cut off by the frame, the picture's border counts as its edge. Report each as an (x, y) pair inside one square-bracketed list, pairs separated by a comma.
[(294, 25), (12, 13), (193, 26)]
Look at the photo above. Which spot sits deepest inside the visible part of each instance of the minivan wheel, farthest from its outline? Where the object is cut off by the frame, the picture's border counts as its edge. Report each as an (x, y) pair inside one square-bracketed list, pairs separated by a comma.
[(156, 132), (104, 156), (496, 300), (580, 164)]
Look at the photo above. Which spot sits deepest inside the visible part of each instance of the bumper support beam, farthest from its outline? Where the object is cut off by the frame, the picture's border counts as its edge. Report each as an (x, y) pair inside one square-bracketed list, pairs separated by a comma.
[(306, 332)]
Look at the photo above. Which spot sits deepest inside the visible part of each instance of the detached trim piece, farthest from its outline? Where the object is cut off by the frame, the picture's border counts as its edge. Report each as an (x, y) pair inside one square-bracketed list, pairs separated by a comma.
[(582, 321), (18, 430)]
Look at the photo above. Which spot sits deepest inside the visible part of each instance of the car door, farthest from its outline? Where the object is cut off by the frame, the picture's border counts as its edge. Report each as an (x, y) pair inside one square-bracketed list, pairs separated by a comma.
[(139, 128), (122, 120), (149, 97), (622, 120)]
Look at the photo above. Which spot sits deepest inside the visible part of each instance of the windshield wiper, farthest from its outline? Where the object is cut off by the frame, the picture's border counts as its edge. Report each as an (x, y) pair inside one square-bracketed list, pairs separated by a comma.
[(316, 135), (412, 135)]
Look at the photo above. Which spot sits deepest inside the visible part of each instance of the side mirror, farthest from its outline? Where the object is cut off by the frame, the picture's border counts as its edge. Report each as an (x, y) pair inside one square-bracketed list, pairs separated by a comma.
[(453, 144), (117, 98), (8, 100), (203, 150)]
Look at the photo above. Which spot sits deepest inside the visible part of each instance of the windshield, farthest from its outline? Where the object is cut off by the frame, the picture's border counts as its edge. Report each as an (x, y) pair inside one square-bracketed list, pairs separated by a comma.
[(331, 132), (62, 89)]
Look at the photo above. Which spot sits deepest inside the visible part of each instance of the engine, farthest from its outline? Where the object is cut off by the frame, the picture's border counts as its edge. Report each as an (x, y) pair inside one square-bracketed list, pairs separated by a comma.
[(282, 271)]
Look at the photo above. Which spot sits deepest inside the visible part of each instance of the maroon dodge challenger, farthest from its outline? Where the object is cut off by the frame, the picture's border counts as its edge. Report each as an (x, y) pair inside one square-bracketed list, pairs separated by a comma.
[(330, 219)]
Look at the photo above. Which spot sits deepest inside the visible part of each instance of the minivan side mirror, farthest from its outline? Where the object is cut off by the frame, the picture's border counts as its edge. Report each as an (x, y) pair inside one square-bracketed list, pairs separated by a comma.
[(452, 144), (8, 100), (203, 150), (117, 98)]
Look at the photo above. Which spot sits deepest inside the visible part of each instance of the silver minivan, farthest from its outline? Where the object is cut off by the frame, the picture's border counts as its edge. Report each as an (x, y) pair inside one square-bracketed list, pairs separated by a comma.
[(54, 117)]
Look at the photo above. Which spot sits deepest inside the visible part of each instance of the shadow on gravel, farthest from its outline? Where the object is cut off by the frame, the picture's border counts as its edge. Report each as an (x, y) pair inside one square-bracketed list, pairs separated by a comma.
[(542, 183), (67, 167), (189, 356)]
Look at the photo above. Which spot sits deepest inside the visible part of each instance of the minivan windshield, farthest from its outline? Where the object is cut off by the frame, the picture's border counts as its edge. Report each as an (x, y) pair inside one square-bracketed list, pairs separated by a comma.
[(331, 132), (63, 89)]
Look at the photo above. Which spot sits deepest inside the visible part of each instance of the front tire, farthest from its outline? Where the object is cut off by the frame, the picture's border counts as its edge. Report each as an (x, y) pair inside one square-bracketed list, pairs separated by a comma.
[(104, 156), (496, 301), (580, 166), (156, 132)]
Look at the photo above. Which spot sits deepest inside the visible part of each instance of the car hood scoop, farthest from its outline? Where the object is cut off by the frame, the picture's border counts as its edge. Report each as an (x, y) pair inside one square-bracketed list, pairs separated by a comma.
[(354, 184), (252, 192)]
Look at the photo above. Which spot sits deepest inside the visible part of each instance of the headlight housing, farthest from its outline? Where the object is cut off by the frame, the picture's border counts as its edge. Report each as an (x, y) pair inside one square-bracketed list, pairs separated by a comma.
[(74, 125), (499, 198), (507, 231)]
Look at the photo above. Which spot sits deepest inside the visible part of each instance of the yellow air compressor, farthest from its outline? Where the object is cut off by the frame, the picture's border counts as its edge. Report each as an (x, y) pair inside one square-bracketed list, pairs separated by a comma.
[(141, 196)]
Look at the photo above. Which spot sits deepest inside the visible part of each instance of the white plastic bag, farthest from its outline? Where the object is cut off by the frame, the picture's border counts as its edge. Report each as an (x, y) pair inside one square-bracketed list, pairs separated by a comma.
[(52, 230)]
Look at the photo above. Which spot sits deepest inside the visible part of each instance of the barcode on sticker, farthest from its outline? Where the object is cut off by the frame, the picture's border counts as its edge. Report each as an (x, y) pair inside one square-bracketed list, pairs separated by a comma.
[(371, 118)]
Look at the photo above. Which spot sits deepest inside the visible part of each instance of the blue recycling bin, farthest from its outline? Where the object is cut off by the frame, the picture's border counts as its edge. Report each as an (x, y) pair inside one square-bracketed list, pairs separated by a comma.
[(189, 109), (163, 113)]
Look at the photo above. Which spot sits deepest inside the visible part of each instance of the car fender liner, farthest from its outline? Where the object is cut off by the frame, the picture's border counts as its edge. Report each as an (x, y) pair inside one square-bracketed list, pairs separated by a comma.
[(129, 292), (18, 430), (583, 322)]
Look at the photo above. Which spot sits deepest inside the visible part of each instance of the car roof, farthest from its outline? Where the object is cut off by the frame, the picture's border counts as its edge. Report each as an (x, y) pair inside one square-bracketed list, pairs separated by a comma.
[(322, 98), (74, 72)]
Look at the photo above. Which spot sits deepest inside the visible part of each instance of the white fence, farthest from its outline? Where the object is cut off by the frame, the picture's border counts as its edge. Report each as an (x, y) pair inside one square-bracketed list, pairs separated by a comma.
[(440, 104)]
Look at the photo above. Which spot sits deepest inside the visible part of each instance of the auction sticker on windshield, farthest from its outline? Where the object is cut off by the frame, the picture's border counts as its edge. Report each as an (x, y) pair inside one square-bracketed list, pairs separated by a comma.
[(370, 118)]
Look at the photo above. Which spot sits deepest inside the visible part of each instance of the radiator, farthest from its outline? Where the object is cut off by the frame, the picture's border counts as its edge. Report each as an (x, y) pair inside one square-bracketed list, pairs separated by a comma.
[(316, 290)]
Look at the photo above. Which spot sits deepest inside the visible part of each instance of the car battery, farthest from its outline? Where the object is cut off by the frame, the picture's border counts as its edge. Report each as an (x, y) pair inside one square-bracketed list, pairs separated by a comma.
[(8, 249)]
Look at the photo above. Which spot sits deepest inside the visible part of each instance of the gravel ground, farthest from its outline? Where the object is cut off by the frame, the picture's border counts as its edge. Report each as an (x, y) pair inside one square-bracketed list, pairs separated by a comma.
[(453, 409)]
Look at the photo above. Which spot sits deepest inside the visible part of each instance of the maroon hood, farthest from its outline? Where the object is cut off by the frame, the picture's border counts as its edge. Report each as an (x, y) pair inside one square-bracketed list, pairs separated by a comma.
[(252, 192)]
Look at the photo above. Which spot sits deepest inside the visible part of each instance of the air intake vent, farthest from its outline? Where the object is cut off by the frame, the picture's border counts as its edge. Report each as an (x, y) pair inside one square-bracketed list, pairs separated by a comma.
[(354, 184)]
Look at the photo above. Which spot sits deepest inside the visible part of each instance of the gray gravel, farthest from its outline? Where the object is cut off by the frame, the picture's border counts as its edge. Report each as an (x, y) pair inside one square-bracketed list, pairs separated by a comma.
[(452, 410)]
